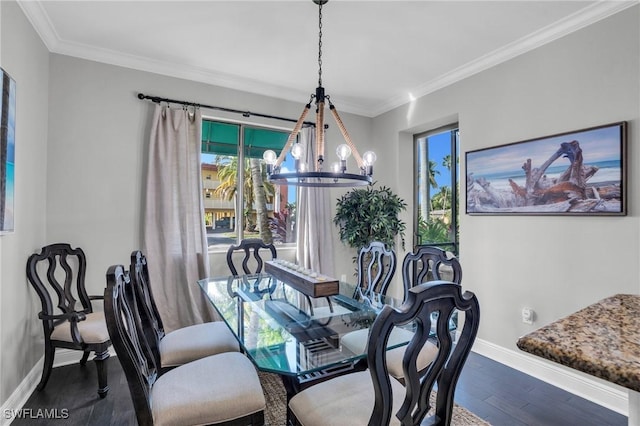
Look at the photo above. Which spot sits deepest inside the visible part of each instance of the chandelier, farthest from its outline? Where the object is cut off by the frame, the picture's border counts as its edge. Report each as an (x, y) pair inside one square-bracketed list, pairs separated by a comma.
[(314, 175)]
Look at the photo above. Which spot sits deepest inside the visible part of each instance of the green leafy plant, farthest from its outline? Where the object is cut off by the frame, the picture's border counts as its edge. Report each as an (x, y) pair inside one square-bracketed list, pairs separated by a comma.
[(371, 214)]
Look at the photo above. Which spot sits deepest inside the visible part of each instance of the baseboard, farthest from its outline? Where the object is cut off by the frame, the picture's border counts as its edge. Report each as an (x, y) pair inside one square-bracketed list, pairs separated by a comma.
[(591, 388), (24, 390), (22, 393)]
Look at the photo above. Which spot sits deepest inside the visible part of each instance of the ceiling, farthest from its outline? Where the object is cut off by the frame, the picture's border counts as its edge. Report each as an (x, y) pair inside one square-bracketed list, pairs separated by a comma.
[(376, 55)]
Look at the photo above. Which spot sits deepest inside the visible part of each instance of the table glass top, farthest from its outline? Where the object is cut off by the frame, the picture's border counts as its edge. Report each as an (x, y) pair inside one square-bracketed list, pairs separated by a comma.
[(282, 334)]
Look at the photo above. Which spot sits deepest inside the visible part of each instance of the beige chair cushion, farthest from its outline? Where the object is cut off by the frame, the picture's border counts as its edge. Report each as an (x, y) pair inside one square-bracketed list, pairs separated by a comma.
[(92, 330), (356, 341), (344, 400), (197, 341), (210, 390)]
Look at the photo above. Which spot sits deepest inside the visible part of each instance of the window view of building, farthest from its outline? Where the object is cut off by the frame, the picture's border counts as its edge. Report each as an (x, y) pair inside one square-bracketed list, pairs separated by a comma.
[(239, 202), (436, 188)]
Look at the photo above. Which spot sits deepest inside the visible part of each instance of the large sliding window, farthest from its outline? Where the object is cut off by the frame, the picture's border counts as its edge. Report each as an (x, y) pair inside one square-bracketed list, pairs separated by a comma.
[(436, 188), (239, 201)]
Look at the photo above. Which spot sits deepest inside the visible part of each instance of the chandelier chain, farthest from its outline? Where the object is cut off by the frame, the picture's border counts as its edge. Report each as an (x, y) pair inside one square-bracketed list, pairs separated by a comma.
[(320, 43)]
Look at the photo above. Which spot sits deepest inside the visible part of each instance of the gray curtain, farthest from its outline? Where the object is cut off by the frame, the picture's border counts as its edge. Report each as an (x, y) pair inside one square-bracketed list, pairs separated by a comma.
[(314, 218), (174, 235)]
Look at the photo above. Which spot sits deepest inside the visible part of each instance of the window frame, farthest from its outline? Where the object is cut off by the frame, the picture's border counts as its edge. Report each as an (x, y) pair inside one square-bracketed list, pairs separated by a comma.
[(239, 199)]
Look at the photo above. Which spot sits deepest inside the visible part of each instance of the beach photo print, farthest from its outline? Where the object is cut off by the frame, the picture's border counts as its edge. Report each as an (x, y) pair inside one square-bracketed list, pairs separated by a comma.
[(581, 172)]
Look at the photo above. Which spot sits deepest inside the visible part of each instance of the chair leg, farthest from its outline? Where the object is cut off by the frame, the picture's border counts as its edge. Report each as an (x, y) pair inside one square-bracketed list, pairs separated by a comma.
[(49, 353), (85, 357), (101, 365)]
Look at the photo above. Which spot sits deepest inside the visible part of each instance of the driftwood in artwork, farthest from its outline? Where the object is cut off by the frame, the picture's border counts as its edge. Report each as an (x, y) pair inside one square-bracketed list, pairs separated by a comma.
[(568, 192)]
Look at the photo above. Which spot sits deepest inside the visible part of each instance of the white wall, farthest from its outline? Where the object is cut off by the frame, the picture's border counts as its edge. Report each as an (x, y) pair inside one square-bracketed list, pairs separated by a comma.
[(25, 58)]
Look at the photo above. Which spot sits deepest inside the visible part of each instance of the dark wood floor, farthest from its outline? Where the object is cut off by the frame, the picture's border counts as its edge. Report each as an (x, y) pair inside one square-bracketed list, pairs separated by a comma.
[(498, 394)]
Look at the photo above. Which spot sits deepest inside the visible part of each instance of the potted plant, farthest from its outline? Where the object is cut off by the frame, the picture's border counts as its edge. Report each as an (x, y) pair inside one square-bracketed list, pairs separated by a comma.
[(371, 214)]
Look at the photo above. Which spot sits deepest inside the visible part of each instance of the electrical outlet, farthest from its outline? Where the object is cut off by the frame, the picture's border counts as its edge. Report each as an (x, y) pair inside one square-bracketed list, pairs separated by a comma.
[(527, 315), (343, 278)]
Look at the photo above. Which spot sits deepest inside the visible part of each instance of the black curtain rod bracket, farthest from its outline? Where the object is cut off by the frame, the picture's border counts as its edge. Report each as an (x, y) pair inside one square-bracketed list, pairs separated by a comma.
[(158, 100)]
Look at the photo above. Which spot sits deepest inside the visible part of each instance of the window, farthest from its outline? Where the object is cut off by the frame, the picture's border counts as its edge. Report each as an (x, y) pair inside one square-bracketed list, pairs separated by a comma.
[(436, 188), (239, 201)]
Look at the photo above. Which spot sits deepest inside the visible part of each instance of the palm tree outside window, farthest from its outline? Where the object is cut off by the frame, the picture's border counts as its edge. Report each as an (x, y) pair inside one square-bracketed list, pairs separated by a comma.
[(437, 188)]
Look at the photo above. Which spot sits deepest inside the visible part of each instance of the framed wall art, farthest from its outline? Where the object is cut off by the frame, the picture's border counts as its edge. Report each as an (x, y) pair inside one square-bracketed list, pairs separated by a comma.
[(7, 152), (581, 172)]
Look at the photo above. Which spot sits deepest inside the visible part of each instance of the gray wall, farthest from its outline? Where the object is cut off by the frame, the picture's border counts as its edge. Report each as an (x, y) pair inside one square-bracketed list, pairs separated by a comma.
[(552, 264), (26, 59), (81, 161)]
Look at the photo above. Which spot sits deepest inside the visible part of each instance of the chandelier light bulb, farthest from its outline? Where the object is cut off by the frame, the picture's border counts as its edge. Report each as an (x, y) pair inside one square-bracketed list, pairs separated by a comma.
[(297, 151), (335, 167), (369, 157), (343, 151), (270, 157)]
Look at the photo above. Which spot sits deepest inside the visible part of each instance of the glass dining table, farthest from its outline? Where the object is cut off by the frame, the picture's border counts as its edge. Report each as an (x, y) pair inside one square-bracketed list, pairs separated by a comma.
[(288, 333)]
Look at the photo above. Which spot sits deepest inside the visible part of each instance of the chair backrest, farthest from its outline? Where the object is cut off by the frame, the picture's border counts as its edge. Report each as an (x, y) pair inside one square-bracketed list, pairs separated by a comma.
[(134, 354), (376, 266), (422, 300), (147, 309), (65, 275), (429, 264), (251, 248)]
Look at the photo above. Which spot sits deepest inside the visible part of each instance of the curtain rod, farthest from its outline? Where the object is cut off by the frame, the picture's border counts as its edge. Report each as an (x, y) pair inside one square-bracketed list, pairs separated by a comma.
[(158, 99)]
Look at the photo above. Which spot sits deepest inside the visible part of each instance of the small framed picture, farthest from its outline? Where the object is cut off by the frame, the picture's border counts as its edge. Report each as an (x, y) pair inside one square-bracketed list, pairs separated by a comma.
[(7, 152)]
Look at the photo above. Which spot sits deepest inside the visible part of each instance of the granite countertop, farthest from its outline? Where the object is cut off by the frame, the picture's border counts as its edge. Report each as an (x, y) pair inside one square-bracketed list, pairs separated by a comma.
[(602, 339)]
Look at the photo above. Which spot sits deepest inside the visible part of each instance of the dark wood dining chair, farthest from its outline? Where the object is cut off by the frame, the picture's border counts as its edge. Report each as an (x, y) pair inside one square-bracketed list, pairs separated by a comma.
[(58, 271), (423, 265), (429, 263), (248, 252), (179, 346), (221, 389), (382, 400), (376, 267)]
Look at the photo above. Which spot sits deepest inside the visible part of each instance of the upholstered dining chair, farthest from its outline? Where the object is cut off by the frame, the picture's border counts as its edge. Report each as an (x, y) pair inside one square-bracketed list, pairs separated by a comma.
[(247, 249), (222, 389), (58, 271), (382, 400), (376, 267), (179, 346)]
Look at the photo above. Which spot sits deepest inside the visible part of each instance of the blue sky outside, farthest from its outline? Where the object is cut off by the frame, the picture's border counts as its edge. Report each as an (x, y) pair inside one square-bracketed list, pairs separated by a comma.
[(439, 146)]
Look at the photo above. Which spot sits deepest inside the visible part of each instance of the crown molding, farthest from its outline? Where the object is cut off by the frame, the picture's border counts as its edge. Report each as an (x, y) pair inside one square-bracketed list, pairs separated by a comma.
[(578, 20), (40, 21), (593, 13)]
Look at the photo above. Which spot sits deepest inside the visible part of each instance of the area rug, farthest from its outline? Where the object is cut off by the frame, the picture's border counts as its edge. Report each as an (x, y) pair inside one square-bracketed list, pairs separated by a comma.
[(276, 401)]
